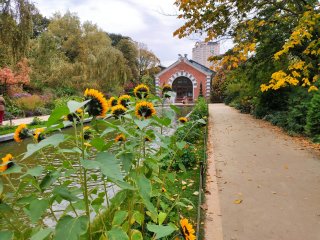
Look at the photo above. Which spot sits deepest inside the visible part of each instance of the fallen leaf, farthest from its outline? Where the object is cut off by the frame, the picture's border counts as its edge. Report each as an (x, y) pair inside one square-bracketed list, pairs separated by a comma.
[(196, 193), (184, 187), (204, 206), (190, 184), (237, 201), (183, 182)]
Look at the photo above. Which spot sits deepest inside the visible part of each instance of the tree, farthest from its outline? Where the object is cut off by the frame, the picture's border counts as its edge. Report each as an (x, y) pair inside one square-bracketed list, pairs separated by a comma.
[(15, 30), (147, 60), (130, 53), (246, 21)]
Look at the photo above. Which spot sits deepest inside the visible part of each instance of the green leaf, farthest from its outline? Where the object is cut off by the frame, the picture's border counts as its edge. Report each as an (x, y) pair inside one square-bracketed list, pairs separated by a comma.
[(142, 123), (49, 179), (35, 172), (74, 105), (182, 167), (5, 208), (119, 217), (175, 108), (160, 231), (106, 131), (90, 164), (145, 190), (202, 121), (126, 160), (161, 217), (57, 114), (136, 235), (138, 217), (42, 234), (116, 233), (53, 140), (6, 235), (14, 169), (123, 185), (98, 143), (37, 208), (64, 193), (110, 166), (71, 228), (163, 121), (181, 144)]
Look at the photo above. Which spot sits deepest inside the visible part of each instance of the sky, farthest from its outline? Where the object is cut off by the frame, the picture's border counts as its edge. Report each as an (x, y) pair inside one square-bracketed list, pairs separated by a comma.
[(147, 21)]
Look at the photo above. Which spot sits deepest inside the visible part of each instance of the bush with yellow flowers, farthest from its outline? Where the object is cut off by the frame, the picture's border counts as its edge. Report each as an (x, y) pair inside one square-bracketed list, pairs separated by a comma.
[(123, 147)]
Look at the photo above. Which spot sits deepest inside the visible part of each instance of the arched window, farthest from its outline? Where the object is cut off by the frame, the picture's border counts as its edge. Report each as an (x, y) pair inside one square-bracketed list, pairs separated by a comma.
[(184, 88)]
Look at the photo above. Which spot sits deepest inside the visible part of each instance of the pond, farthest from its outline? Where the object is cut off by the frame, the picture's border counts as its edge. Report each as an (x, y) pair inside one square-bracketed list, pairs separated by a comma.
[(49, 158)]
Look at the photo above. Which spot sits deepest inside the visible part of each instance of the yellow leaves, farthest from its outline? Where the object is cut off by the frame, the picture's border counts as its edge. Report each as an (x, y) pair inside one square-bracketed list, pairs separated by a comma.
[(237, 201), (297, 65), (313, 88)]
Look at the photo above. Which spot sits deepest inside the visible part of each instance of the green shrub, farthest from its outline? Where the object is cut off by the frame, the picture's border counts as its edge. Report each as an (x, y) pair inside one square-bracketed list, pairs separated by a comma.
[(36, 121), (193, 136), (313, 117), (29, 103), (200, 110)]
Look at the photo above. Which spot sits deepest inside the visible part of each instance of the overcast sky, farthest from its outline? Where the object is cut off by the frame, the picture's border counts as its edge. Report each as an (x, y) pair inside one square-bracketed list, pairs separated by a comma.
[(142, 20)]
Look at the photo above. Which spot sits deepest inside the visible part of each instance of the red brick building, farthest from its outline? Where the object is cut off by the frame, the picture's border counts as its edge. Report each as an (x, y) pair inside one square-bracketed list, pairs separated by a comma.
[(186, 77)]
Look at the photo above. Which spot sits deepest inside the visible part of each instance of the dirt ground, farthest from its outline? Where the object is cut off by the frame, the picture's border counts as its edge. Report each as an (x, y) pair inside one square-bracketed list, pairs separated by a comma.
[(262, 184)]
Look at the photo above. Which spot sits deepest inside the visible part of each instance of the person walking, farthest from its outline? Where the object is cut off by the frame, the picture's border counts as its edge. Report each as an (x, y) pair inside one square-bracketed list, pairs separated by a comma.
[(2, 108)]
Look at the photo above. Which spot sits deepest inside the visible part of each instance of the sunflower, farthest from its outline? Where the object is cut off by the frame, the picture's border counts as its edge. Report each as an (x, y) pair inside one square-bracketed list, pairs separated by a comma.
[(124, 100), (147, 139), (21, 133), (38, 134), (166, 88), (112, 102), (87, 133), (6, 162), (141, 91), (72, 117), (187, 229), (145, 110), (118, 110), (183, 119), (120, 138), (98, 106)]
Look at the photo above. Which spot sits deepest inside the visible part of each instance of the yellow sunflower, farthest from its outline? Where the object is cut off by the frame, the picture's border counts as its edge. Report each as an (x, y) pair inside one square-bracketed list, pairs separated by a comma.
[(87, 133), (6, 162), (38, 134), (145, 110), (118, 110), (183, 119), (124, 100), (112, 102), (141, 91), (21, 133), (120, 138), (98, 106), (166, 88), (147, 139), (187, 229)]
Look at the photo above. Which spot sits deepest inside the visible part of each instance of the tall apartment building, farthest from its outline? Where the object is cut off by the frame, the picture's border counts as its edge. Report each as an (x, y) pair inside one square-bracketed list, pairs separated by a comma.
[(203, 50)]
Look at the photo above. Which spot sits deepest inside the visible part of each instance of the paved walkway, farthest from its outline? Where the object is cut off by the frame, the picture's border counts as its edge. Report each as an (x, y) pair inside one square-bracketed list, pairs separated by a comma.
[(261, 184), (16, 122)]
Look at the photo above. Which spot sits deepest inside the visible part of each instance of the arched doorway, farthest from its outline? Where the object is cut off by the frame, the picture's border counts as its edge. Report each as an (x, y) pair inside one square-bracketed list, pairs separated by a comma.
[(184, 88)]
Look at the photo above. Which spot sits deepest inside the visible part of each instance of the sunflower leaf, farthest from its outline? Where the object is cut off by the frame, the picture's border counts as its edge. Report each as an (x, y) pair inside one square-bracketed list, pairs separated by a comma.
[(74, 105), (160, 231)]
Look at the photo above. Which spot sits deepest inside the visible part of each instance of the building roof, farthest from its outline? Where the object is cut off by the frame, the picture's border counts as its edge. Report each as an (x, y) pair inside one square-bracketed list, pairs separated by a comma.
[(193, 63), (198, 65)]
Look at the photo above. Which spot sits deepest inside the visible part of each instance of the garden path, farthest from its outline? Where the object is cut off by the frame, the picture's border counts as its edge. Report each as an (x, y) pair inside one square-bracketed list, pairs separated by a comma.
[(262, 184), (28, 120)]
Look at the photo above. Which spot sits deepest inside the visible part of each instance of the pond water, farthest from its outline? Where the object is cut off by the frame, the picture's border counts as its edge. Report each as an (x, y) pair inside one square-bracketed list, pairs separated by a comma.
[(50, 158)]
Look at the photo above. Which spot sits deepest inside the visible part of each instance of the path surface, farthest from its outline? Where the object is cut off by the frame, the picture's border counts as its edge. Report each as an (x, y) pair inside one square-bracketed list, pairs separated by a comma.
[(28, 120), (277, 180)]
